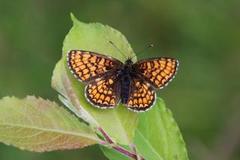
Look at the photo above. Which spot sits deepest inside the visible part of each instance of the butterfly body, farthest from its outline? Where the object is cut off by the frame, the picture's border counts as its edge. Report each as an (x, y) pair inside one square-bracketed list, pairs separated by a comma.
[(109, 81), (125, 76)]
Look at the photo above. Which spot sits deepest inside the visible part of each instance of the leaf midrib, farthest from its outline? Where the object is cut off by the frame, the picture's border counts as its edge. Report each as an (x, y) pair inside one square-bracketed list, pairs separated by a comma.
[(53, 130)]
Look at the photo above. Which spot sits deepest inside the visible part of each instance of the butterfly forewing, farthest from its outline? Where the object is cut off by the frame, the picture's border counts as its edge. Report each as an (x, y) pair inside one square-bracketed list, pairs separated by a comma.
[(158, 71), (87, 66), (142, 95), (104, 92)]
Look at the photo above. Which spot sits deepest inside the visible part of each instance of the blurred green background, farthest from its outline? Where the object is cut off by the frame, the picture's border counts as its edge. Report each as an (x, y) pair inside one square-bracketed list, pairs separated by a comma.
[(203, 35)]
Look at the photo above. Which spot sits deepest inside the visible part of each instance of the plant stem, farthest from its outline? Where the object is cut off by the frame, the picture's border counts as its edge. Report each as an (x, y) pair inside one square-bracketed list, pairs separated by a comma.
[(118, 148), (125, 152), (106, 136)]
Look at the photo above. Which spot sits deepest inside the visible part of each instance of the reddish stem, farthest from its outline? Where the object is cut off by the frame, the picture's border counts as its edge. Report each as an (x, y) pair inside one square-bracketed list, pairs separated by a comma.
[(105, 135), (119, 148)]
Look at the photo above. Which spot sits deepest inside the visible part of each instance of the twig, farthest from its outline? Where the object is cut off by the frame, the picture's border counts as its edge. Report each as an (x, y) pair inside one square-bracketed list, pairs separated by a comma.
[(118, 148)]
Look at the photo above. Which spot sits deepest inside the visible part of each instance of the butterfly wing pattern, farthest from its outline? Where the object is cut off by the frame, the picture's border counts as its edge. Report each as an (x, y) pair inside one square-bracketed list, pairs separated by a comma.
[(97, 72), (101, 75), (157, 71), (142, 95), (87, 66), (103, 92)]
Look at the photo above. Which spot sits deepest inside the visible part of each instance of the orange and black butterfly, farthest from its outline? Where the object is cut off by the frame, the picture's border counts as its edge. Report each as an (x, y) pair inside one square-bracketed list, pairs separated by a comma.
[(109, 81)]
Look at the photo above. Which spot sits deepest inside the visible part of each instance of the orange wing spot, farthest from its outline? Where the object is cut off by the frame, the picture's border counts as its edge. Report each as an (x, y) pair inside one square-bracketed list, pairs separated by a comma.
[(130, 102), (93, 68), (147, 96), (154, 73), (107, 99), (93, 59), (159, 77), (89, 65), (163, 73), (94, 91), (97, 95), (148, 64), (156, 64), (135, 101), (86, 55), (99, 101), (110, 81), (82, 67), (101, 61), (112, 101), (85, 71), (99, 87), (101, 91), (78, 63), (77, 56), (166, 71), (137, 84), (99, 81), (87, 76), (157, 82), (169, 68), (77, 69), (144, 100), (169, 64), (162, 62), (102, 97)]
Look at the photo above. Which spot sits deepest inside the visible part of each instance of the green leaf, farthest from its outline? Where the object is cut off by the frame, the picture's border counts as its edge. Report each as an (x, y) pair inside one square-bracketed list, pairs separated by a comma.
[(119, 123), (113, 155), (39, 125), (158, 136), (95, 37)]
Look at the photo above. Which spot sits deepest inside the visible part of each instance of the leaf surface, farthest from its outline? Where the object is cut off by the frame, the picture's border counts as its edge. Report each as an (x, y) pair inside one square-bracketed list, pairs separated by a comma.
[(158, 136), (40, 125), (113, 155)]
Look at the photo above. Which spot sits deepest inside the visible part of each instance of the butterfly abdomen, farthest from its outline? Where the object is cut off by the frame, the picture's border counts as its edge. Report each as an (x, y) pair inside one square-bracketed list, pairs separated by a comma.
[(125, 85)]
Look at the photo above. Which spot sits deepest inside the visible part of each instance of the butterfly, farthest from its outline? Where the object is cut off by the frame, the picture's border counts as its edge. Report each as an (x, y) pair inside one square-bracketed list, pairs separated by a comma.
[(109, 81)]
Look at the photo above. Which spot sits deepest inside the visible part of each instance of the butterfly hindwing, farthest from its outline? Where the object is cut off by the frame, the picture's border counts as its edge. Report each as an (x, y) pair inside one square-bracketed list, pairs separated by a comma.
[(141, 95), (104, 92), (157, 71), (87, 66)]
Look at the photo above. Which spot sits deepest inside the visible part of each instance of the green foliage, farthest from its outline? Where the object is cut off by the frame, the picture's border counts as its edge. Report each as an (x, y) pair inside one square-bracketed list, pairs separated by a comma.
[(40, 125), (113, 155), (158, 136)]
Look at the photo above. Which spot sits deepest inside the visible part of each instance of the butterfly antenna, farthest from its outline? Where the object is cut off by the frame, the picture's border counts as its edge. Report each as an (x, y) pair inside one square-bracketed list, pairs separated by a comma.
[(144, 49), (116, 48)]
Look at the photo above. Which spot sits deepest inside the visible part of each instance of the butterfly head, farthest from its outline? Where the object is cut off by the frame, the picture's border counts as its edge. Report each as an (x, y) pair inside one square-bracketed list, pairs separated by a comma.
[(129, 62)]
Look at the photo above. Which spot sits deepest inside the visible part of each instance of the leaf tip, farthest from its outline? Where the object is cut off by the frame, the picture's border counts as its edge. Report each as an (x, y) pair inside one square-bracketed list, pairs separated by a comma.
[(73, 18)]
